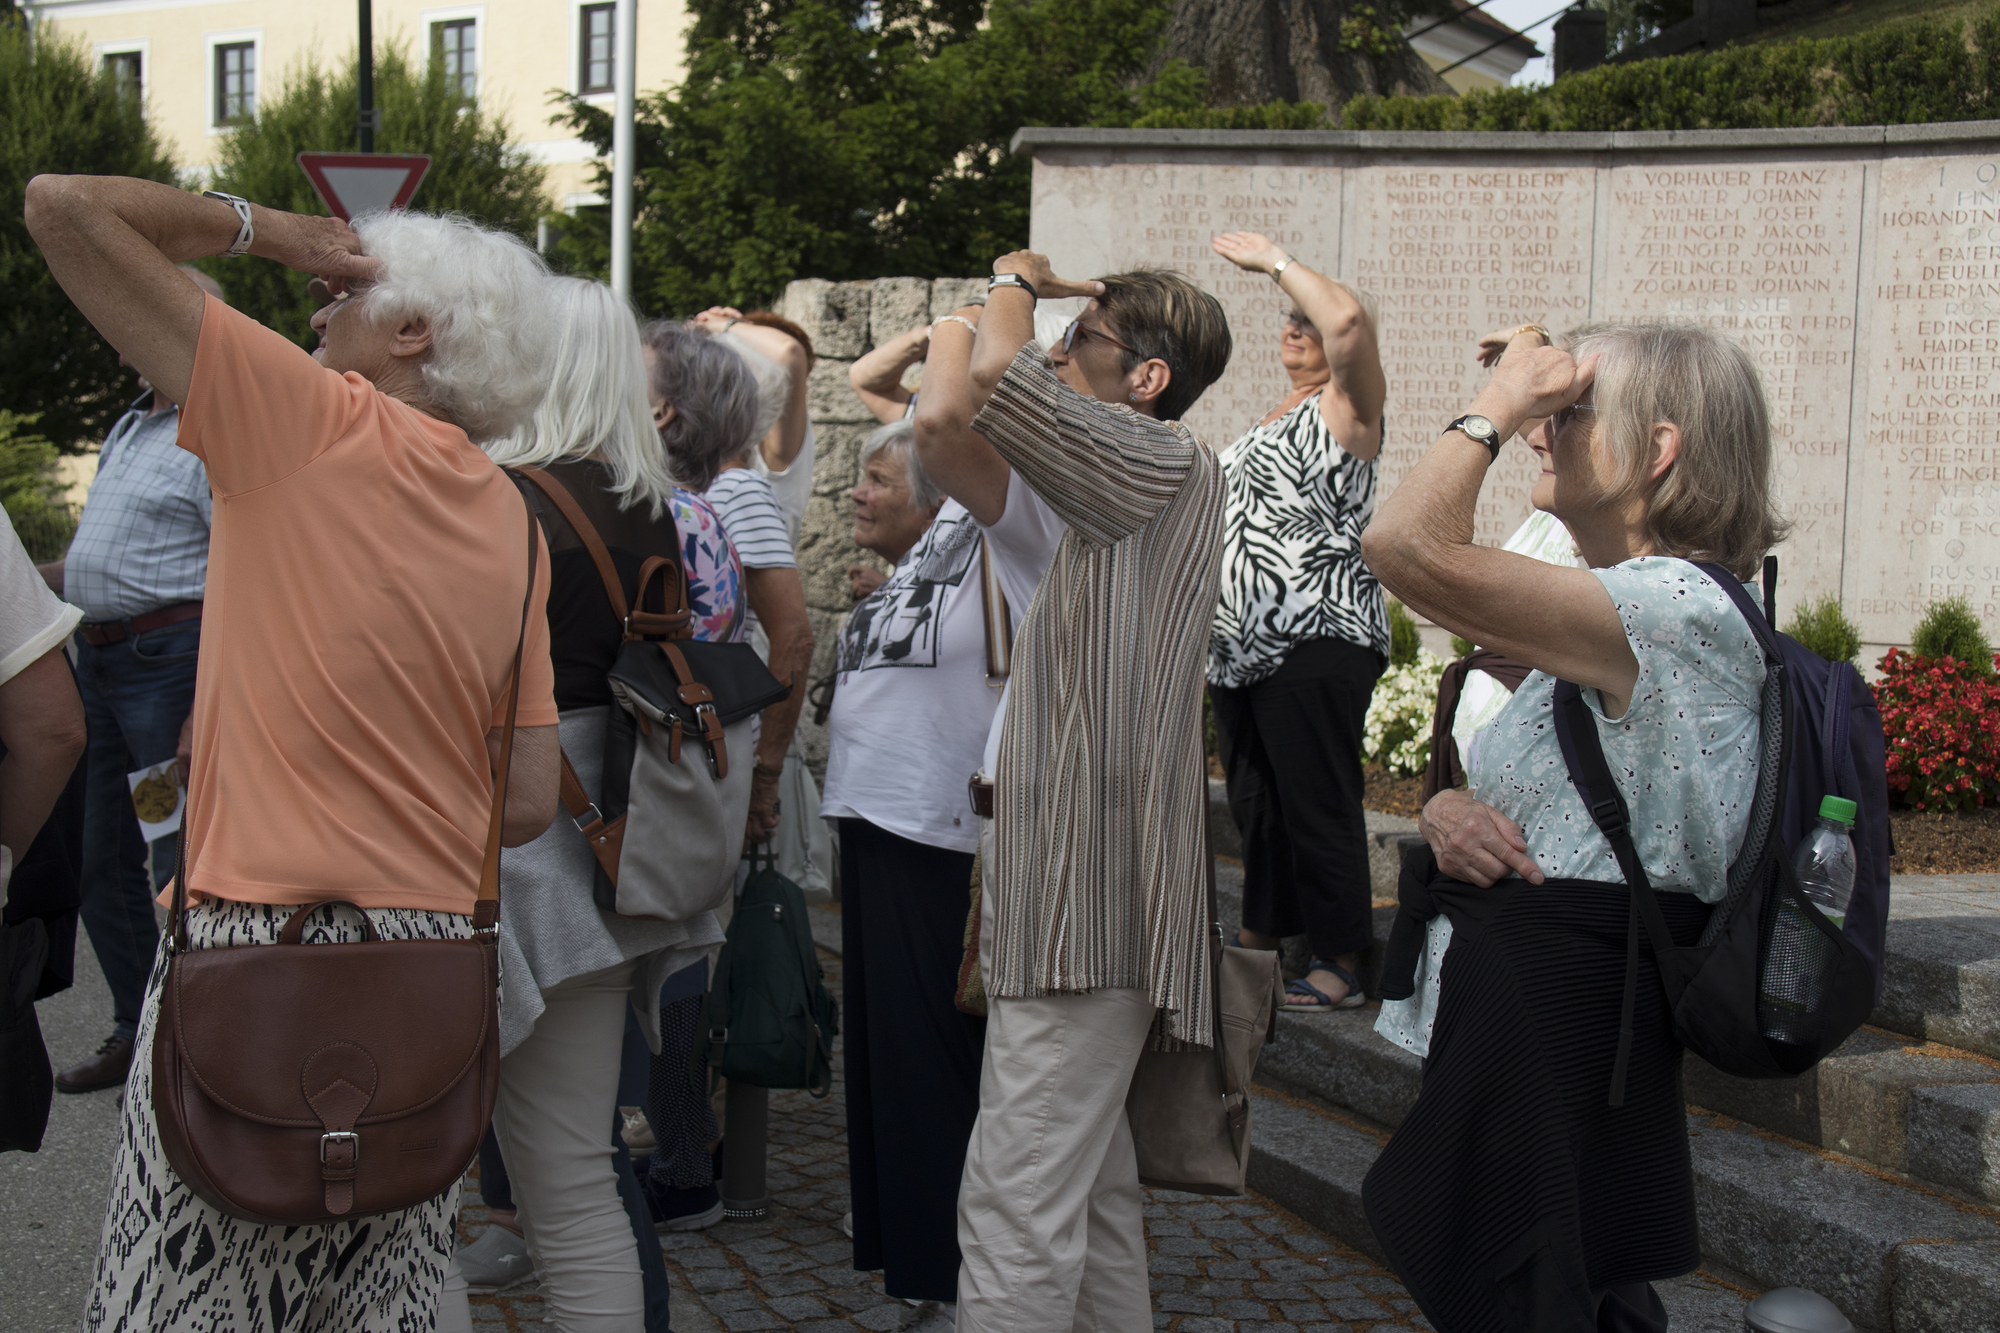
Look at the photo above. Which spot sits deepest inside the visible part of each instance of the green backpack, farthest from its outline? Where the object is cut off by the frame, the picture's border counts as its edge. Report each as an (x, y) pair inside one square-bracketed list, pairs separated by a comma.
[(770, 1021)]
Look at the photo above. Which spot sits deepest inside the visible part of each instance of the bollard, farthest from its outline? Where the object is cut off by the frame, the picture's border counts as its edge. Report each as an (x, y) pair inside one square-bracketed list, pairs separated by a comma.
[(746, 1114), (1794, 1310)]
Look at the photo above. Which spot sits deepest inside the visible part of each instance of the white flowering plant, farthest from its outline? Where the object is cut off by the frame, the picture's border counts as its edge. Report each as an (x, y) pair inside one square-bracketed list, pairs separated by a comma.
[(1397, 731)]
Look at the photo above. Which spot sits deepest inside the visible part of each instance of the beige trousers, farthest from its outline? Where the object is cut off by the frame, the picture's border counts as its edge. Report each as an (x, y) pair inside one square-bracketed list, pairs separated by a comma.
[(558, 1093), (1050, 1222)]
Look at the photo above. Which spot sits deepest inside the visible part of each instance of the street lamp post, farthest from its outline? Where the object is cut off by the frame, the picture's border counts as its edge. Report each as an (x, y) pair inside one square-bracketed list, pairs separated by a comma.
[(366, 76), (626, 29)]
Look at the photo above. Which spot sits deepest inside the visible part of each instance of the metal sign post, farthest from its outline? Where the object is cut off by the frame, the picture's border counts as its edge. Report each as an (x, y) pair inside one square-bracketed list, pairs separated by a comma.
[(365, 71), (625, 26)]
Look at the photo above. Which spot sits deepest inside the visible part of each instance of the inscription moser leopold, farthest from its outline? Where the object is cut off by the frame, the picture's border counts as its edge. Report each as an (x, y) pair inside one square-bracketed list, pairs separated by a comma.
[(1863, 278)]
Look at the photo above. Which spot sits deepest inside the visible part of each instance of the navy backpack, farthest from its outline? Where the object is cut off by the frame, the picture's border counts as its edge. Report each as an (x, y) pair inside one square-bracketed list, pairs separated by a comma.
[(1822, 736)]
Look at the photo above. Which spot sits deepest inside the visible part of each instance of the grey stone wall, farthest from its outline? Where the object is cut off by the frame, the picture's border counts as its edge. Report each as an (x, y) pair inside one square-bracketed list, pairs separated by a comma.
[(845, 320)]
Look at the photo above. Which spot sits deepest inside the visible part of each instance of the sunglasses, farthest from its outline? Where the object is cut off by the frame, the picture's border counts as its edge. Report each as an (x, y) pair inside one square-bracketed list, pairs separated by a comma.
[(1564, 415), (1077, 330)]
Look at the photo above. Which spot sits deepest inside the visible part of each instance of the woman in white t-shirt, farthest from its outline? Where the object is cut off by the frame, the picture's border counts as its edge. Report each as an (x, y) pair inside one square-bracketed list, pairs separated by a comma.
[(41, 728), (911, 708)]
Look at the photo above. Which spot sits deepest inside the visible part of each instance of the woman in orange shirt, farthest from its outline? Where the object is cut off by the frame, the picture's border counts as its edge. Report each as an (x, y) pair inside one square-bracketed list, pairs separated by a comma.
[(364, 601)]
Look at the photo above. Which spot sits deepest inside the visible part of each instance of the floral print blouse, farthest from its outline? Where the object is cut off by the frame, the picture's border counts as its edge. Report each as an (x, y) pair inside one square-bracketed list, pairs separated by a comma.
[(1684, 754), (715, 576)]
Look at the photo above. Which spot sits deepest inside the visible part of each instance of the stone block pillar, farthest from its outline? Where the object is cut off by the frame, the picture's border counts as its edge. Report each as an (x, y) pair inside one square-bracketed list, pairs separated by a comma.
[(846, 320)]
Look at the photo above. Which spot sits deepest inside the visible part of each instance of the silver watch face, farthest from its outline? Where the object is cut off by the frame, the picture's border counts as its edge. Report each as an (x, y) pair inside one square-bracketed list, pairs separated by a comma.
[(1479, 428)]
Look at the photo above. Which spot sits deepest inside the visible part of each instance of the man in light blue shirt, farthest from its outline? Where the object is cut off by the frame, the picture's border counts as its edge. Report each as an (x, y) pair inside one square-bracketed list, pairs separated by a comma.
[(136, 567)]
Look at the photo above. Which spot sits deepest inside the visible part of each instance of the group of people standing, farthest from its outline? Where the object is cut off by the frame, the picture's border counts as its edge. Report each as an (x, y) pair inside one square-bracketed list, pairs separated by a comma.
[(1017, 706)]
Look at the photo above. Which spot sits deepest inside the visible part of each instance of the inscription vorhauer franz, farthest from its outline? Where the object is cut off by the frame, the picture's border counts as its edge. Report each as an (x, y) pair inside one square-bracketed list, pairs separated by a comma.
[(1767, 254)]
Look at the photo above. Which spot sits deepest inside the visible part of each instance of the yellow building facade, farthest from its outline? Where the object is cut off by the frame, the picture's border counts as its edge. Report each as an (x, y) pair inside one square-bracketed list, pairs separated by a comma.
[(200, 65)]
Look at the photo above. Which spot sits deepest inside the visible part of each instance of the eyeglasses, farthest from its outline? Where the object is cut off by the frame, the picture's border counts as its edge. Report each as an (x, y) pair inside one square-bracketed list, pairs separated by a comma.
[(1076, 329), (1297, 319), (1564, 415)]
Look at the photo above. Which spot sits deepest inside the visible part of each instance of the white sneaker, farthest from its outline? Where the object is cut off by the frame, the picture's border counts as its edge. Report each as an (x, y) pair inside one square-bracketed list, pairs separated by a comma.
[(499, 1259), (638, 1132)]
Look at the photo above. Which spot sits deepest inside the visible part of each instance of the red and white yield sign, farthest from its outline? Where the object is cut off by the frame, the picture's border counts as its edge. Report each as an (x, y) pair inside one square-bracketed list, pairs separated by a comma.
[(357, 183)]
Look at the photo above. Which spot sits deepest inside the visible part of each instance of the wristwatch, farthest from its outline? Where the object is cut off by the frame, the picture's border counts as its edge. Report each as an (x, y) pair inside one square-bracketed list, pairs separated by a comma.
[(1012, 280), (1479, 429), (245, 233)]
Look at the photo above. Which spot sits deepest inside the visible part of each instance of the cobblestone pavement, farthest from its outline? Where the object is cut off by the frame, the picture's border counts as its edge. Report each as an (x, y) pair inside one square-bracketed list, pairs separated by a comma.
[(1218, 1265)]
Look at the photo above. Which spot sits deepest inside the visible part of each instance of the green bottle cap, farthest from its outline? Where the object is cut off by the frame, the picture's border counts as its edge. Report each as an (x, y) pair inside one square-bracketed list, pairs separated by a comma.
[(1834, 807)]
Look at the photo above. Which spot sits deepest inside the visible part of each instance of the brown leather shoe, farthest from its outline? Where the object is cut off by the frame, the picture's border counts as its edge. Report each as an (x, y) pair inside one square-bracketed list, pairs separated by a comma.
[(106, 1069)]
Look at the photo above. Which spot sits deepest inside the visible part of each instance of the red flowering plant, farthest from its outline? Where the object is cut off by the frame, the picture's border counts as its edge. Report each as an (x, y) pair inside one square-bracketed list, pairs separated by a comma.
[(1941, 720)]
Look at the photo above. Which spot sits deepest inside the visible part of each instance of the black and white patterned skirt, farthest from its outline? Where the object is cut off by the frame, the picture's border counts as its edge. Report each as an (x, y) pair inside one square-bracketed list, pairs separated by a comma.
[(169, 1261)]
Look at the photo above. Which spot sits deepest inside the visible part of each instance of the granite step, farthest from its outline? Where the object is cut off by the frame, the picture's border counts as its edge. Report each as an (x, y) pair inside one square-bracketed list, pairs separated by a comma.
[(1942, 972), (1895, 1258), (1928, 1109), (1917, 1108)]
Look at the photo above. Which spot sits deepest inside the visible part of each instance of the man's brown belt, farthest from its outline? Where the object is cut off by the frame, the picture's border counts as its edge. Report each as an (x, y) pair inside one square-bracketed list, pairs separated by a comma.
[(117, 631), (981, 796)]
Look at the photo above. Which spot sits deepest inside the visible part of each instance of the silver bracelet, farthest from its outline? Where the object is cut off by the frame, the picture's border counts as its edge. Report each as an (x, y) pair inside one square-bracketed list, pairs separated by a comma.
[(1278, 269), (245, 233), (958, 319)]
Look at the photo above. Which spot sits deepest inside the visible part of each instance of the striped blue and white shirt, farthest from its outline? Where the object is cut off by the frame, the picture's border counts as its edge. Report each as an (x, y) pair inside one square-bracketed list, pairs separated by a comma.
[(142, 542), (753, 518)]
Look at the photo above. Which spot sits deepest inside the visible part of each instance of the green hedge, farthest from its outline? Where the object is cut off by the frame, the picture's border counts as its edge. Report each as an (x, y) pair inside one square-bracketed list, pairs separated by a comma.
[(1894, 76)]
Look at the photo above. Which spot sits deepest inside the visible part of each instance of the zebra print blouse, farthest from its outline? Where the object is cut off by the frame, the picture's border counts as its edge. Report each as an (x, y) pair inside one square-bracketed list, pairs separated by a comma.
[(1294, 505)]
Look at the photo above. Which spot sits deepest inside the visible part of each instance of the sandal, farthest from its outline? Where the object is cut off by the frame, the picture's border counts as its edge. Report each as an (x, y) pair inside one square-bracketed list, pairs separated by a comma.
[(1319, 1001)]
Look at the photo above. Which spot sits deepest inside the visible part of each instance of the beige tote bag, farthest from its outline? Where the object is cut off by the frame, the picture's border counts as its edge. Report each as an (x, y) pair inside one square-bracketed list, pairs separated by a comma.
[(1190, 1109)]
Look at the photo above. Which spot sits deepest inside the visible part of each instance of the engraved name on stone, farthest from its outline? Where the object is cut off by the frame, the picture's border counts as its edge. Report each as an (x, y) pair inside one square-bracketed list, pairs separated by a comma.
[(1452, 252), (1765, 253), (1928, 504), (1121, 216)]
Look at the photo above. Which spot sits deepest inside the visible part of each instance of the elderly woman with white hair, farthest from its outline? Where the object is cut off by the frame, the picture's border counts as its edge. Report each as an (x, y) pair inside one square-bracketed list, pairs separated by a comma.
[(368, 584), (911, 709), (1542, 1180), (573, 970)]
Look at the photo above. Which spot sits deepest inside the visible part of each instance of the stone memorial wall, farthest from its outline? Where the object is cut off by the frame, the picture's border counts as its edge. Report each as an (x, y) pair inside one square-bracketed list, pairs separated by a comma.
[(1860, 268)]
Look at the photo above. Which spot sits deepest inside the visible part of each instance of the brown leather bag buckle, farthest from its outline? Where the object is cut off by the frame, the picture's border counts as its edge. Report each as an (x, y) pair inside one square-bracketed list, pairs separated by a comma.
[(347, 1138)]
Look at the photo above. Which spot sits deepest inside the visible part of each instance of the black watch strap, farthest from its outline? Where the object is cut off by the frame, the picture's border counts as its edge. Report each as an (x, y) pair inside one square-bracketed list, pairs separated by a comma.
[(1480, 429)]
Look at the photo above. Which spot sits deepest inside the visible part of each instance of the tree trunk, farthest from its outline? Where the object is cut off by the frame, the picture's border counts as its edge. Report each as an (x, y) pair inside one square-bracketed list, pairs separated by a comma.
[(1258, 51)]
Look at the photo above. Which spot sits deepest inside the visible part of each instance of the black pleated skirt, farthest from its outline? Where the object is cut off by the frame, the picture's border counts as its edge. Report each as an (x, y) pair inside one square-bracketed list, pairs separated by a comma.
[(1513, 1192)]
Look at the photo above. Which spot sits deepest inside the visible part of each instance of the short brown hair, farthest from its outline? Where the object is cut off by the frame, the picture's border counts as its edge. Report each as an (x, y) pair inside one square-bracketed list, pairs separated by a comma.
[(1715, 501), (1166, 317), (772, 320)]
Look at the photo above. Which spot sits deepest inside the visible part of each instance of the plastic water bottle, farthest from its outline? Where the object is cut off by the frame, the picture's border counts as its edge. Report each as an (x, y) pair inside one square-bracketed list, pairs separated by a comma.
[(1793, 974), (1824, 863)]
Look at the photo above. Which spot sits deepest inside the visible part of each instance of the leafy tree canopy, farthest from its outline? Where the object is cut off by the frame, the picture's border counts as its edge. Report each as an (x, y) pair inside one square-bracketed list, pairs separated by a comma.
[(472, 171), (58, 114), (826, 138)]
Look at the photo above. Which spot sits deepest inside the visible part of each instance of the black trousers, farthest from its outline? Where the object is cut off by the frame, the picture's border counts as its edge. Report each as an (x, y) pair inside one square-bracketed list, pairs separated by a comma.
[(1291, 752), (912, 1058)]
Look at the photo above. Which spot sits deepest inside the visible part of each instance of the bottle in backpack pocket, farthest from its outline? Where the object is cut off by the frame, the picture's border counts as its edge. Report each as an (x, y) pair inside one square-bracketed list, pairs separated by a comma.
[(1795, 963), (1825, 862)]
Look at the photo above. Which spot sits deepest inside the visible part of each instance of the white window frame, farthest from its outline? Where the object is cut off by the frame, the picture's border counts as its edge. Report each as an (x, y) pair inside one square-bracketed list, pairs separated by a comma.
[(477, 13), (232, 37), (143, 47), (575, 79)]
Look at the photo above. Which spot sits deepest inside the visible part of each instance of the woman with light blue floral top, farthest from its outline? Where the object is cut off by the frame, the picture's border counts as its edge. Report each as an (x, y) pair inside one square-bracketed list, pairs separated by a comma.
[(1542, 1180)]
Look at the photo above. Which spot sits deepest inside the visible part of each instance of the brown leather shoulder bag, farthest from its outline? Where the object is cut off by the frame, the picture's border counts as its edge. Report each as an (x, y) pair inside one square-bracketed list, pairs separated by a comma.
[(297, 1084)]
